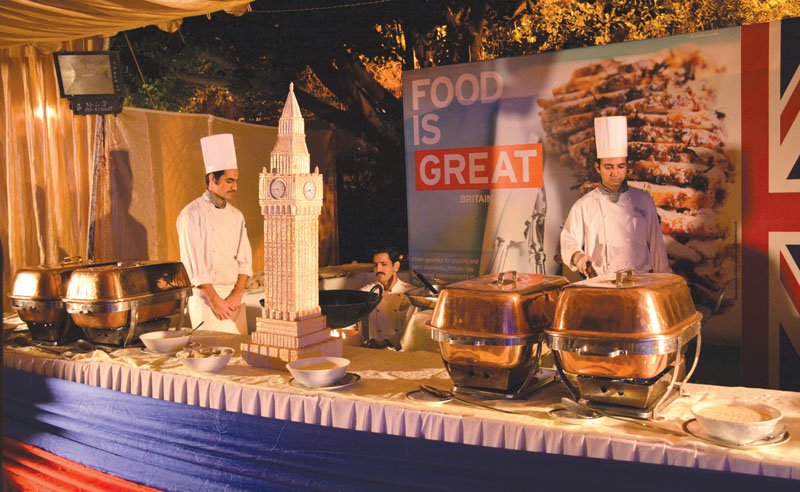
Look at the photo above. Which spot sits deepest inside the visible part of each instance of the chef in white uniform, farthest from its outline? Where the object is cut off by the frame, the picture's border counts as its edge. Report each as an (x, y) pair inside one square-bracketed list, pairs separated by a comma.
[(388, 320), (613, 227), (214, 245)]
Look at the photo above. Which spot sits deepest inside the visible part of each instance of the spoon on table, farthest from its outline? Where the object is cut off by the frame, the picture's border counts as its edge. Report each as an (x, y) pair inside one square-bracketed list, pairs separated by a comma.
[(24, 341), (449, 395), (88, 346), (591, 413)]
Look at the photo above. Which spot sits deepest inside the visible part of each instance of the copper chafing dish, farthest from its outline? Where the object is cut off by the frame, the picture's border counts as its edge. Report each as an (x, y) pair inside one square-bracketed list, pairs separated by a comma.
[(490, 331), (619, 341), (36, 294), (114, 304)]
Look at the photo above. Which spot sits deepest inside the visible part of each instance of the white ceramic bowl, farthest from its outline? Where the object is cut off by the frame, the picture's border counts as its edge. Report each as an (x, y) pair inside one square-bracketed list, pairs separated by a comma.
[(736, 421), (206, 359), (167, 341), (318, 372)]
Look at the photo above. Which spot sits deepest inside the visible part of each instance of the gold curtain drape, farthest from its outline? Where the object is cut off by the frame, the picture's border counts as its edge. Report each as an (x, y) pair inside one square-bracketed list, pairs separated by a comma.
[(49, 21), (47, 160)]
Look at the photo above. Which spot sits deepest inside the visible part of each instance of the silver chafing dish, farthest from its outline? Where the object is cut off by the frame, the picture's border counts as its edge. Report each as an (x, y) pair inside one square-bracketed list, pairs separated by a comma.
[(490, 331), (114, 304), (619, 341), (36, 294)]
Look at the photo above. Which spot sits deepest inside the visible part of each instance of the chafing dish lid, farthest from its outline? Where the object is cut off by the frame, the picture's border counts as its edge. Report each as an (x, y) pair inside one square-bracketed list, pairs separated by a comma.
[(503, 304), (126, 280), (629, 306), (47, 282)]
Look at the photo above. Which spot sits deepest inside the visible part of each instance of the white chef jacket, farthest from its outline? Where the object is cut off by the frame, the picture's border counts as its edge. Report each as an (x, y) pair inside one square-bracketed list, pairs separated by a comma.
[(622, 235), (214, 250), (388, 320)]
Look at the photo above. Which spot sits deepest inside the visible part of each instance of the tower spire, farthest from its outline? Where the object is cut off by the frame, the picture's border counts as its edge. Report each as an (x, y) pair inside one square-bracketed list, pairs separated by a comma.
[(290, 155)]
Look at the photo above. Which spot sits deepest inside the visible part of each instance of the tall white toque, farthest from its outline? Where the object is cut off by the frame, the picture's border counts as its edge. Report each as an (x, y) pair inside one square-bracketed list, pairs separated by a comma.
[(219, 153), (611, 136)]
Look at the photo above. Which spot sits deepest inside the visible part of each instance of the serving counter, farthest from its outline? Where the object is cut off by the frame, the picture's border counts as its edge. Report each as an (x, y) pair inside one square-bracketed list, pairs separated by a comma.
[(376, 406)]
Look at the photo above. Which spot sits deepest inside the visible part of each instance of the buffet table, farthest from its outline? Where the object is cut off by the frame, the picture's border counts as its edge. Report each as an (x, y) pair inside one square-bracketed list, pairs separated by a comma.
[(242, 395)]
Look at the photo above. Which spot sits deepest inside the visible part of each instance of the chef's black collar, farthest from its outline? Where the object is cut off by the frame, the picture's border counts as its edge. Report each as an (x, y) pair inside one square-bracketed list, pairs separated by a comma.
[(213, 199), (613, 195)]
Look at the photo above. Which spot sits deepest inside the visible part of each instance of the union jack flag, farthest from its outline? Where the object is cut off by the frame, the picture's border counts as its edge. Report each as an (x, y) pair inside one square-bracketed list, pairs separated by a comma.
[(790, 273), (784, 132), (770, 198)]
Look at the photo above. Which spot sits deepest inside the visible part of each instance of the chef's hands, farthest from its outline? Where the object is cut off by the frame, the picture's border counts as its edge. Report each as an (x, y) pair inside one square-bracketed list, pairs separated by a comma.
[(581, 261), (219, 306), (234, 300)]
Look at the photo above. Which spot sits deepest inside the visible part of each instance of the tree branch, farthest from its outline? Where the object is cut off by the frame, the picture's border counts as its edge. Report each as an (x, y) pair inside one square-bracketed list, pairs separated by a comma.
[(222, 62), (201, 80)]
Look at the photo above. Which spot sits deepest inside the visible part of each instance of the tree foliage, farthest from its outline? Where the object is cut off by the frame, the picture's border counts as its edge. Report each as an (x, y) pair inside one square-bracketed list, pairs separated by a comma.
[(346, 57)]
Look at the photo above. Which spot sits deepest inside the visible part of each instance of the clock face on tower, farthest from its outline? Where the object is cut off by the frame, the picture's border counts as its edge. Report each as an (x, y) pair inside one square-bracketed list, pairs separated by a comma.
[(277, 188), (309, 190)]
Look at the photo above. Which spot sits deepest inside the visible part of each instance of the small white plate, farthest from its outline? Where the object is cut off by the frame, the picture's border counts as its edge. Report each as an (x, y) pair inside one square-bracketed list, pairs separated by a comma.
[(420, 396), (780, 436), (564, 415), (349, 379)]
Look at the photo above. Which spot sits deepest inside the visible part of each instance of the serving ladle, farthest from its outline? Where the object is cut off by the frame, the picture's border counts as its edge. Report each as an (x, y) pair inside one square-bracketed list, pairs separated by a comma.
[(427, 283)]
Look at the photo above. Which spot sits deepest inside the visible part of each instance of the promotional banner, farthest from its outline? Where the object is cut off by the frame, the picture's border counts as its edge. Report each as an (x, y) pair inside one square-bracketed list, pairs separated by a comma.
[(498, 151)]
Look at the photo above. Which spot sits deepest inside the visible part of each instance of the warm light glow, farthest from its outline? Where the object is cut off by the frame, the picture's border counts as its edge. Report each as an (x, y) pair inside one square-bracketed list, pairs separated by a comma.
[(346, 332), (42, 112), (26, 284)]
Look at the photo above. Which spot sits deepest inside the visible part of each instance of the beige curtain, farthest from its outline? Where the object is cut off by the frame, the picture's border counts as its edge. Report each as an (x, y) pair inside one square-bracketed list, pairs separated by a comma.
[(155, 168), (47, 161)]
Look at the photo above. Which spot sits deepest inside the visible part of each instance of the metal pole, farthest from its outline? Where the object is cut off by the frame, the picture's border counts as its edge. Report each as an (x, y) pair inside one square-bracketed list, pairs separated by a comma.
[(99, 148), (535, 233)]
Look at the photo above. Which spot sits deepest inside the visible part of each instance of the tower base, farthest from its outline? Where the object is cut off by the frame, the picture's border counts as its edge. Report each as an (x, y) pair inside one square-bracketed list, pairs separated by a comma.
[(270, 357)]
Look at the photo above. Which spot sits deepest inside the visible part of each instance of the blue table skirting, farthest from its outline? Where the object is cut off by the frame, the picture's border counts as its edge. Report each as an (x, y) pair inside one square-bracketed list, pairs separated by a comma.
[(179, 447)]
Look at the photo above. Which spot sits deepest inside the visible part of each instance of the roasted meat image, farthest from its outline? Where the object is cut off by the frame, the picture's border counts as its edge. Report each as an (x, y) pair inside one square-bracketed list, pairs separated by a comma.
[(676, 152)]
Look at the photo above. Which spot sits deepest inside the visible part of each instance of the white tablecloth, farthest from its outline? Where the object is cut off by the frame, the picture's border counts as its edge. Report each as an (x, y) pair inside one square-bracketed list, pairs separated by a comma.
[(377, 403)]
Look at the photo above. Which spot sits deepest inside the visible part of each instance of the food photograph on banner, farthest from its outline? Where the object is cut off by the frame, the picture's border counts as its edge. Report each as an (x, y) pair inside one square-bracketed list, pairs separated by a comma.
[(498, 151)]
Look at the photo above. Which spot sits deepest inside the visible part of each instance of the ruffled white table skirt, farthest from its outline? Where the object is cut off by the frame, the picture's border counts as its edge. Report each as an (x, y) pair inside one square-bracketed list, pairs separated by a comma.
[(377, 404)]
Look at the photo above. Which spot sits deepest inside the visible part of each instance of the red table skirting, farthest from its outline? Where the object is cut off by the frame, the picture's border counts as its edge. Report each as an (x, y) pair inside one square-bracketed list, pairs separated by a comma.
[(28, 468)]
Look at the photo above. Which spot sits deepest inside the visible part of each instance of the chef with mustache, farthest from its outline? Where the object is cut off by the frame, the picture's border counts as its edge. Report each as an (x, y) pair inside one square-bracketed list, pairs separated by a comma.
[(388, 320), (613, 227)]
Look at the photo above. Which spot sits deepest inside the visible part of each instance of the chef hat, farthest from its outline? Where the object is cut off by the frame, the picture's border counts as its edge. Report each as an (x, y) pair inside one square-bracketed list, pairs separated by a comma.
[(611, 136), (219, 153)]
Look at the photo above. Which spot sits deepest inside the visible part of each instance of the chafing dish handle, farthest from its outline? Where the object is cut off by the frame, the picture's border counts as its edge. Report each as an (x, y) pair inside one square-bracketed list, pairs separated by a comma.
[(501, 278), (134, 319), (533, 370), (614, 353), (624, 278), (573, 391)]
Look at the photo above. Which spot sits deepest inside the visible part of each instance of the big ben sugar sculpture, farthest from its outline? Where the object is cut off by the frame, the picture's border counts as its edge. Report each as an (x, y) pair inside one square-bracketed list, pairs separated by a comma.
[(291, 325)]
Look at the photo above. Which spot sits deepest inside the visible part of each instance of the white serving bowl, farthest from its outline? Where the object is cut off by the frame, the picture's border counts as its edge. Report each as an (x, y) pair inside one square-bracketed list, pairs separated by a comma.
[(206, 359), (736, 421), (167, 341), (318, 372)]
